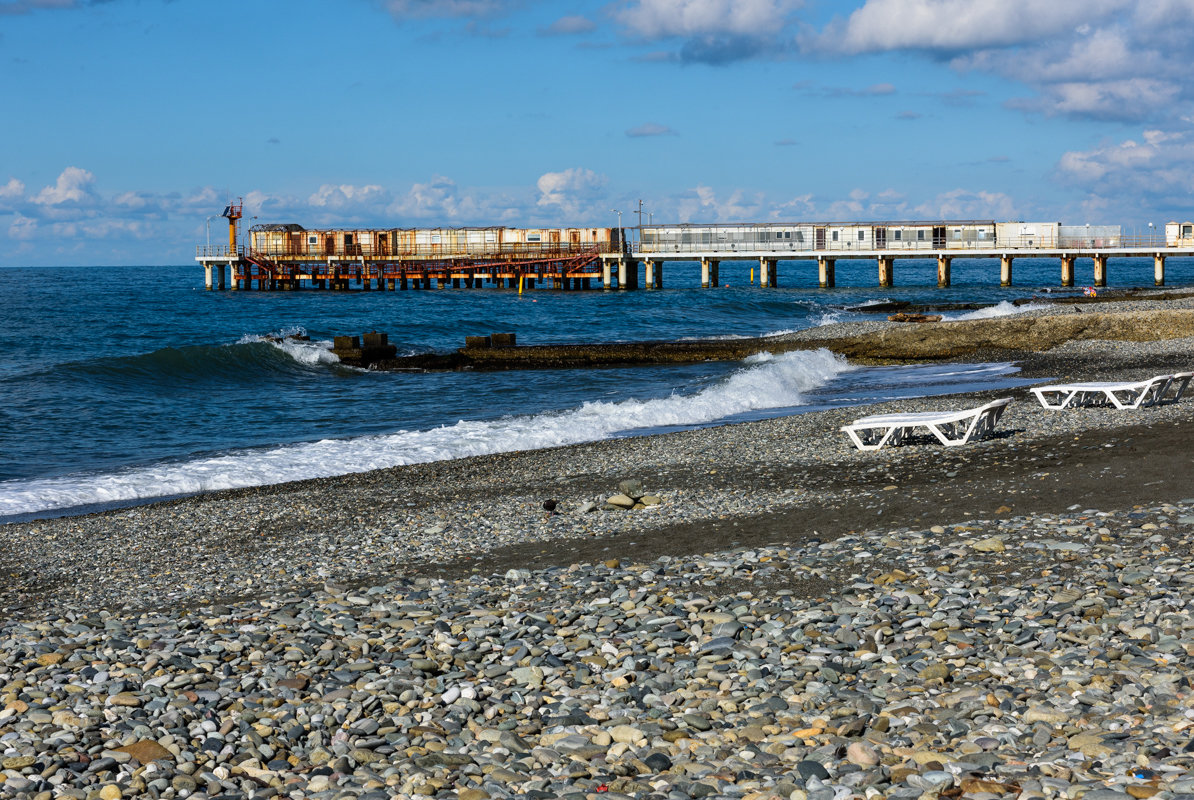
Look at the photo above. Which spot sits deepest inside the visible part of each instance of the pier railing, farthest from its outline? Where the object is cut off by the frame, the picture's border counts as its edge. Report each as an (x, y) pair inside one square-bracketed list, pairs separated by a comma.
[(896, 246), (434, 252), (215, 251)]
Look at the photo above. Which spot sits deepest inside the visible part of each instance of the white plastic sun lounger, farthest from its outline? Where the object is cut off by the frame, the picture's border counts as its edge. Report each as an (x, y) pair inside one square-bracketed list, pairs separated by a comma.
[(1124, 394), (1177, 387), (950, 427)]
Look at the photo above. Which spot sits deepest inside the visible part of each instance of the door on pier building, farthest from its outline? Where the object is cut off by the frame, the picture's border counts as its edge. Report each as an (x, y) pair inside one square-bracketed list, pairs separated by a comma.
[(880, 238), (819, 239), (938, 237)]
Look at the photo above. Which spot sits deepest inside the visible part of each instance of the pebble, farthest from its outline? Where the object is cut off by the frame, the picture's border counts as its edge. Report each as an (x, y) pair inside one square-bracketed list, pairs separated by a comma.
[(693, 676), (894, 661)]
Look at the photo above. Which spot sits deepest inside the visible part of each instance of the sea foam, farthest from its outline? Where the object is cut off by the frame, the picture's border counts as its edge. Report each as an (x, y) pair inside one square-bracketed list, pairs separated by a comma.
[(764, 381)]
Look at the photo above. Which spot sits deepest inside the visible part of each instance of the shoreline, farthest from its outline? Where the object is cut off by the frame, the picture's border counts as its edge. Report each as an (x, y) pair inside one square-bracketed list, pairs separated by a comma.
[(379, 534), (795, 620)]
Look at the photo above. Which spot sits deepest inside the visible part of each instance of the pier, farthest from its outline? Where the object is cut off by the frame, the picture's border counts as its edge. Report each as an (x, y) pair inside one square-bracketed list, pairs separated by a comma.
[(284, 257)]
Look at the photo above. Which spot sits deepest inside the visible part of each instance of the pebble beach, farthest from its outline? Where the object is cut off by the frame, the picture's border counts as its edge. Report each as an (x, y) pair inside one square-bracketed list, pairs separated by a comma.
[(778, 615)]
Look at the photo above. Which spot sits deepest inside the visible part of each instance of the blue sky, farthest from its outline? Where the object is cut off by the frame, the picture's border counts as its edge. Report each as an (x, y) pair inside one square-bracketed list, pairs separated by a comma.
[(128, 122)]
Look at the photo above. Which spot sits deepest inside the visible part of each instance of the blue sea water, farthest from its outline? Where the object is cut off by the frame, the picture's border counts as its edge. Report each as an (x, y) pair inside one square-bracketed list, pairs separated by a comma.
[(121, 385)]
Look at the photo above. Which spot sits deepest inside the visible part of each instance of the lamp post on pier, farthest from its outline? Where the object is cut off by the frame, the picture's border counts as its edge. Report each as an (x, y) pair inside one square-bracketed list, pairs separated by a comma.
[(209, 219)]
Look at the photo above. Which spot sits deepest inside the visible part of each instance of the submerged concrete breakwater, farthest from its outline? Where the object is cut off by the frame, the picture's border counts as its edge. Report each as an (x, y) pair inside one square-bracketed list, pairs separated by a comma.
[(869, 343)]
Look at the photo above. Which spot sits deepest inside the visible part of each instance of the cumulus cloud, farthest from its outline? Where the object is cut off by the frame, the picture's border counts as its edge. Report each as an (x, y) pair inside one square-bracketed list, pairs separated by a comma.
[(958, 25), (571, 190), (715, 31), (73, 186), (345, 197), (967, 204), (702, 204), (1134, 176), (657, 19), (11, 194), (1103, 59), (650, 129)]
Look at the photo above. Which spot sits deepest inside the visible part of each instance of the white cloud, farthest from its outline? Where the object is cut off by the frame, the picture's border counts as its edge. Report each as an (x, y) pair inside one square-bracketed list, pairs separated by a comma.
[(1103, 59), (22, 228), (73, 186), (1146, 174), (570, 190), (702, 204), (657, 19), (12, 190), (345, 197), (966, 204), (956, 25), (714, 31)]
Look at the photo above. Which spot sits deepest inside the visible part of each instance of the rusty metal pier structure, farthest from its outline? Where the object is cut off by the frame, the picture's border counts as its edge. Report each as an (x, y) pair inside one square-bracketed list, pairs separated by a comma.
[(288, 257)]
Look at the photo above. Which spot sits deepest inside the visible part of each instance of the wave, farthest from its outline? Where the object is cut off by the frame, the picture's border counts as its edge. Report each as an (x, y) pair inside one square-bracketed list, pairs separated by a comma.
[(1003, 309), (302, 350), (252, 357), (764, 381)]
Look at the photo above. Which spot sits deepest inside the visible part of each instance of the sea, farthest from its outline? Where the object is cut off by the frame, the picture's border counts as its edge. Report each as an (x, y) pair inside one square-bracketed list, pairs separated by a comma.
[(125, 385)]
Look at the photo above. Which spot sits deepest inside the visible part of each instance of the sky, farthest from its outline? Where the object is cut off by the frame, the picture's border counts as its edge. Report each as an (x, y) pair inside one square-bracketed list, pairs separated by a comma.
[(127, 124)]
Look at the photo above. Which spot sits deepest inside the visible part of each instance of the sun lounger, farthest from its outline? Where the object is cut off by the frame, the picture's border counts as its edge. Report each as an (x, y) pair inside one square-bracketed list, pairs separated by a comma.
[(950, 427), (1124, 394), (1177, 387)]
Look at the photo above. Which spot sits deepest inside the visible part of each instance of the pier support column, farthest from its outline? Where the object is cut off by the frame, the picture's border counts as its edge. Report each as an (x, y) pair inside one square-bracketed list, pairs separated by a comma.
[(1067, 270), (709, 269), (1100, 270), (207, 277), (234, 283), (887, 271), (767, 273), (649, 273), (943, 271), (1159, 270), (607, 277), (1005, 270), (627, 273), (825, 273)]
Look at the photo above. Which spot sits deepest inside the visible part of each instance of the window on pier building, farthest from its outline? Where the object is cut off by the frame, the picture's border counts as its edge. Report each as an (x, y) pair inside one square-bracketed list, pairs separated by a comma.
[(920, 236), (534, 237), (800, 236), (835, 236), (897, 235), (862, 236)]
